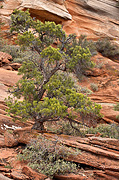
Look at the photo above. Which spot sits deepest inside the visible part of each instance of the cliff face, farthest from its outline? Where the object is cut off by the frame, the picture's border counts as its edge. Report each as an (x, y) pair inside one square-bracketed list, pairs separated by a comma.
[(53, 10), (94, 18)]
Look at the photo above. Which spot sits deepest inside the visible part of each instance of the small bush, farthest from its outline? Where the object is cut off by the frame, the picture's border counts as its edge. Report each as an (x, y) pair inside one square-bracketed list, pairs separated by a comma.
[(85, 90), (63, 127), (106, 48), (1, 34), (94, 87), (116, 108), (83, 42), (99, 64), (110, 130), (47, 157), (17, 54)]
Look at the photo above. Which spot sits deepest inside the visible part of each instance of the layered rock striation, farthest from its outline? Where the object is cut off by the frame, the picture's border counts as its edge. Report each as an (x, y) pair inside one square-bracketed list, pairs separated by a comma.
[(93, 18)]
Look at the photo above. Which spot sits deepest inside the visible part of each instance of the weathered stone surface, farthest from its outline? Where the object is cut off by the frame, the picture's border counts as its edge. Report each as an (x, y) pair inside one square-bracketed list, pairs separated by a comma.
[(112, 144), (97, 152), (2, 177), (33, 174), (90, 153), (72, 177), (18, 175), (43, 8), (15, 66), (93, 18), (101, 175), (5, 58), (112, 173), (10, 140), (3, 169), (2, 144), (7, 67), (6, 156), (7, 78), (19, 135), (54, 10)]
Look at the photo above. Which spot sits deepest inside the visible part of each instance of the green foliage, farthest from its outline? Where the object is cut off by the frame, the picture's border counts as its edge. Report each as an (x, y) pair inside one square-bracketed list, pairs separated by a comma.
[(85, 90), (8, 166), (17, 54), (1, 34), (106, 48), (105, 130), (47, 157), (110, 130), (48, 92), (64, 127), (116, 108), (94, 86)]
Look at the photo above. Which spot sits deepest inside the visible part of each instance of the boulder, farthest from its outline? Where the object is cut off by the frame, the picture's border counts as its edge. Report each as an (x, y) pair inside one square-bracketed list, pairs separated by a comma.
[(19, 136), (19, 175), (10, 140), (5, 58)]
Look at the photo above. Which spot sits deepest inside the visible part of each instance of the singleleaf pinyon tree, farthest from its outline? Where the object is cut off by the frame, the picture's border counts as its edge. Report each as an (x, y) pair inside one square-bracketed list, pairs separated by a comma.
[(48, 93)]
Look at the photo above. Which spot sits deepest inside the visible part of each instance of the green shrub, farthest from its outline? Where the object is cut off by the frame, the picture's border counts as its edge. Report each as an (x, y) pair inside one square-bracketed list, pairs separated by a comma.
[(106, 48), (110, 130), (105, 130), (17, 54), (94, 86), (47, 157), (116, 108), (1, 34), (63, 127), (99, 64), (83, 42), (85, 90)]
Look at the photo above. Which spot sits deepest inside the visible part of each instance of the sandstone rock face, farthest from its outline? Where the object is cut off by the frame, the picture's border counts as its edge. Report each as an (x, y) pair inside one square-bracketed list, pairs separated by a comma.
[(4, 178), (90, 17), (8, 7), (5, 59), (53, 10), (5, 62), (93, 18), (33, 174), (46, 10), (7, 79), (106, 79), (102, 154)]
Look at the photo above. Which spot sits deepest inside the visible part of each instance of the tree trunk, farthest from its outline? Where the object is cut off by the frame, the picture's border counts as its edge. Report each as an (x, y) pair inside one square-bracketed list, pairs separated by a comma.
[(38, 126)]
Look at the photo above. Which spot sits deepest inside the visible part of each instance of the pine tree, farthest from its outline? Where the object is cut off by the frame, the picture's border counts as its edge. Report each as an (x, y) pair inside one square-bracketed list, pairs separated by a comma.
[(48, 93)]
